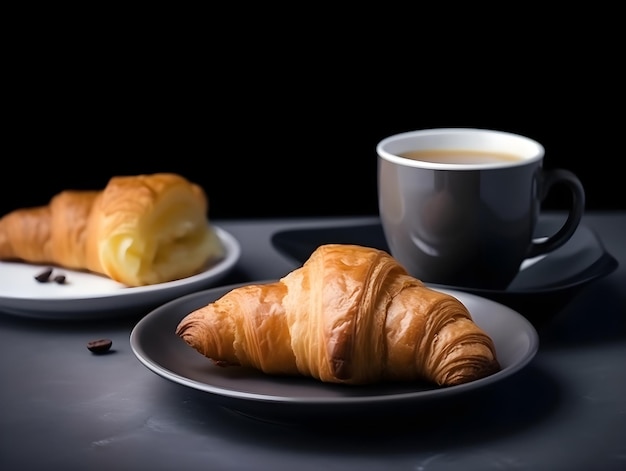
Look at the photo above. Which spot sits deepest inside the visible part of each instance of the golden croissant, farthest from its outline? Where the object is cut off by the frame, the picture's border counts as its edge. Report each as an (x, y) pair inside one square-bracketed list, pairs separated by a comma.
[(139, 230), (349, 314)]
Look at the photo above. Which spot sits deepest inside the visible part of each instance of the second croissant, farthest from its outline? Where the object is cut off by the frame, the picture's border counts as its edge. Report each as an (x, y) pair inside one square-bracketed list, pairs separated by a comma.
[(351, 315), (138, 230)]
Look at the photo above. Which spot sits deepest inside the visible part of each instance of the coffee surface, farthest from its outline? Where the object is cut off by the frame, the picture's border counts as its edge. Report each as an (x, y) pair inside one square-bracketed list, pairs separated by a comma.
[(460, 156)]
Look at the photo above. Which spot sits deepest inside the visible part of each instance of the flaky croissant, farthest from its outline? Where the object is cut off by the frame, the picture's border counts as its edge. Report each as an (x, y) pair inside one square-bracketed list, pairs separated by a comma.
[(139, 230), (350, 314)]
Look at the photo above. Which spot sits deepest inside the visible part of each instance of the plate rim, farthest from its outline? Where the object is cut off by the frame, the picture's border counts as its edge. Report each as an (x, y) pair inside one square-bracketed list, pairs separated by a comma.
[(226, 395)]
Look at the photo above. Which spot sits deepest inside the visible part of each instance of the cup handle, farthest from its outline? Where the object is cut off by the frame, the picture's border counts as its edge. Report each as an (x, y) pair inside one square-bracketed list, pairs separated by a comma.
[(577, 208)]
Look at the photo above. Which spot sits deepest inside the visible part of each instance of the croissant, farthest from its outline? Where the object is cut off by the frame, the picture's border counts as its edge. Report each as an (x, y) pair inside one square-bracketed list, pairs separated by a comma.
[(138, 230), (349, 314)]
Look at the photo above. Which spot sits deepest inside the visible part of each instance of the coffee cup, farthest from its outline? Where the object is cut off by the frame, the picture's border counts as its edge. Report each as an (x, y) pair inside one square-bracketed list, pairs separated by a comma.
[(459, 206)]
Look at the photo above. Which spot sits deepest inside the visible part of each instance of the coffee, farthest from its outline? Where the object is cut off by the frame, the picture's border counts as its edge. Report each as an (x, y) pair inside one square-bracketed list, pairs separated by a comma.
[(460, 156)]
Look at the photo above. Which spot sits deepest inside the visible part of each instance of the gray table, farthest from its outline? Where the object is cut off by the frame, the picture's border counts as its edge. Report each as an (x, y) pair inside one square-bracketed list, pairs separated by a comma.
[(64, 408)]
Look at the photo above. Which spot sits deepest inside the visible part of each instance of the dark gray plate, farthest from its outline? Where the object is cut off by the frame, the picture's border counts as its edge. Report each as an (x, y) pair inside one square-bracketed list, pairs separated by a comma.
[(156, 345)]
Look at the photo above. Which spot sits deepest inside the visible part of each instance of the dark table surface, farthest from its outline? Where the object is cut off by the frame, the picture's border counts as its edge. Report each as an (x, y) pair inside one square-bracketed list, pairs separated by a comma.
[(65, 408)]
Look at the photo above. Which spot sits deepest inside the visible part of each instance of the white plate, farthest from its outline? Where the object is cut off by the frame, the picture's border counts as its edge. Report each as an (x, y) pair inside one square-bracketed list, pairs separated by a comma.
[(91, 296), (156, 345)]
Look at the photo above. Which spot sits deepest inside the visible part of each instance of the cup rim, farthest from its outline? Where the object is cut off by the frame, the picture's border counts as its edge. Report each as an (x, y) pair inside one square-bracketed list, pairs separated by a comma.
[(535, 150)]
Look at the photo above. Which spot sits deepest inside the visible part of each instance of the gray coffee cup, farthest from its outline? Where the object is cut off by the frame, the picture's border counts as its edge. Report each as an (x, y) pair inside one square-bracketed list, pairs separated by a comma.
[(459, 206)]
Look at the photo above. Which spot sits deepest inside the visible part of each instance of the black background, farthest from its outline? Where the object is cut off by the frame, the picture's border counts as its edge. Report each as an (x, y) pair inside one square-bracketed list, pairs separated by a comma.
[(275, 126)]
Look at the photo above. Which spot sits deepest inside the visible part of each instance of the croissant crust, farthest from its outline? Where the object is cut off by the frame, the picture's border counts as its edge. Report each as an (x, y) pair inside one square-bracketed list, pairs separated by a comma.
[(350, 314)]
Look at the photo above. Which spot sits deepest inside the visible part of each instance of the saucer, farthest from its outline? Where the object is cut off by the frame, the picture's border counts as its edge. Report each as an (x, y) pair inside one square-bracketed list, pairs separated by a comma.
[(550, 281)]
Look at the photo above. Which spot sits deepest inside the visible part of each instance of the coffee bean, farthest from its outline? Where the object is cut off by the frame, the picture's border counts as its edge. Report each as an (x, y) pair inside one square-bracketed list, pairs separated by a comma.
[(60, 279), (100, 345), (44, 276)]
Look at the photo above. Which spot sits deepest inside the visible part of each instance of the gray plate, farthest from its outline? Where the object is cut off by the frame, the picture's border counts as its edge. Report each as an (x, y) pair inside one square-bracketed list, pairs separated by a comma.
[(154, 342)]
